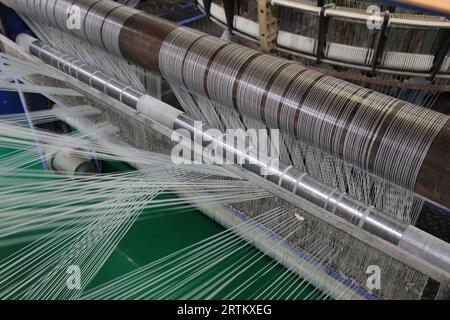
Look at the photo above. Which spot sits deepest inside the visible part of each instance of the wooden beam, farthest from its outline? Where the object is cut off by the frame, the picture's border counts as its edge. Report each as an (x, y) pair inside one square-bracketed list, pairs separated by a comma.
[(268, 25)]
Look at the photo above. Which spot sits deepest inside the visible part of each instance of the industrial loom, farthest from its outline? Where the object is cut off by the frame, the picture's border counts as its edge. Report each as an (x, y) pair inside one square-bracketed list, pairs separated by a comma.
[(356, 167)]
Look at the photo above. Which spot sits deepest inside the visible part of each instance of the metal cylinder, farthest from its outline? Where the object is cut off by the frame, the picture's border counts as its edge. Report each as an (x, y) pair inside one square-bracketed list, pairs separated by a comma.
[(333, 201)]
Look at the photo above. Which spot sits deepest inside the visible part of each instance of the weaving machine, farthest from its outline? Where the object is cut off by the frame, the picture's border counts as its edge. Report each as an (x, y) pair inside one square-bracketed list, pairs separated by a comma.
[(390, 49), (356, 167)]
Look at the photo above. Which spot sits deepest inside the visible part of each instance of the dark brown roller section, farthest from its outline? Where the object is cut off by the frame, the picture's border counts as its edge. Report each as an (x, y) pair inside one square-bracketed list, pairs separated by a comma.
[(433, 180), (141, 38), (239, 76)]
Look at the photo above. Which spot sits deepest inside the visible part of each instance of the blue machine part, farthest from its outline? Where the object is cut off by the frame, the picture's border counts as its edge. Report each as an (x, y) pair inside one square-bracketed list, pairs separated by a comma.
[(13, 26), (10, 103)]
